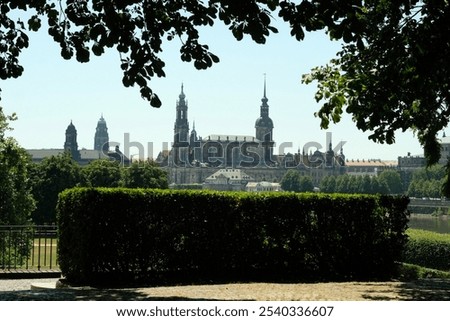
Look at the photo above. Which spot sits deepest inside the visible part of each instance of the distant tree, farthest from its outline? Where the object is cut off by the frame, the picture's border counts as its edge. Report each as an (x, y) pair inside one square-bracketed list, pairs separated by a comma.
[(328, 184), (306, 184), (342, 184), (49, 178), (353, 184), (366, 185), (432, 172), (378, 187), (102, 173), (428, 182), (291, 181), (359, 183), (144, 174), (16, 200), (393, 180), (413, 189), (433, 188), (425, 188)]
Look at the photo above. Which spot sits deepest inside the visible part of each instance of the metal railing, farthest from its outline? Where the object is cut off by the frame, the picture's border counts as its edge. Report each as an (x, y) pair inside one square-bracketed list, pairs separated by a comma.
[(24, 247)]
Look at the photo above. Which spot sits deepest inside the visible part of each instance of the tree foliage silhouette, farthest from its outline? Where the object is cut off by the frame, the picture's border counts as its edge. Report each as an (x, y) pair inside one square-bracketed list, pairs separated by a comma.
[(391, 74)]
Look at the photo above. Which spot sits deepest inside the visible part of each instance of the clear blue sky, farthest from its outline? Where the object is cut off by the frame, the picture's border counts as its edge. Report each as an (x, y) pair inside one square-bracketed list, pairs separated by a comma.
[(224, 99)]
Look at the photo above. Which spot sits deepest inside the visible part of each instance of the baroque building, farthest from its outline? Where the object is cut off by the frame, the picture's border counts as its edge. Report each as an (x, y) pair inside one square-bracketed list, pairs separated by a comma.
[(194, 159), (70, 144), (83, 156), (101, 138), (227, 150)]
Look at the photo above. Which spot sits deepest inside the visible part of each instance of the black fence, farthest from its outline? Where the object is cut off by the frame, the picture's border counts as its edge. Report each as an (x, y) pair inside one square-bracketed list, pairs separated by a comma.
[(31, 248)]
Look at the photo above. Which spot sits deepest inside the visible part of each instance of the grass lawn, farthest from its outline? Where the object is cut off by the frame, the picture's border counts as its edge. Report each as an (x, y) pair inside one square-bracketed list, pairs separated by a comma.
[(43, 254)]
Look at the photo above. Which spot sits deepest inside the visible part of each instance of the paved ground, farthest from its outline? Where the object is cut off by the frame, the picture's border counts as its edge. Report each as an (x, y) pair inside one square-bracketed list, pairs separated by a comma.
[(428, 290), (21, 284)]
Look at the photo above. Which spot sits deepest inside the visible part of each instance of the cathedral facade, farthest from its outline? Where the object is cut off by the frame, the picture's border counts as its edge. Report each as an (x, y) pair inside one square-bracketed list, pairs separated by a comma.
[(235, 151), (194, 158), (83, 156)]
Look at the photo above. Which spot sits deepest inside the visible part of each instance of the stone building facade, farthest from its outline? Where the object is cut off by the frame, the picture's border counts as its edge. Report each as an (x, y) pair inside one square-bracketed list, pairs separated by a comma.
[(83, 156), (194, 158)]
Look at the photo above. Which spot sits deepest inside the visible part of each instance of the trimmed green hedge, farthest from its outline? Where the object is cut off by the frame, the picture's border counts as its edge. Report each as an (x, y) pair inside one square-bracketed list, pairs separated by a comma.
[(428, 249), (158, 236)]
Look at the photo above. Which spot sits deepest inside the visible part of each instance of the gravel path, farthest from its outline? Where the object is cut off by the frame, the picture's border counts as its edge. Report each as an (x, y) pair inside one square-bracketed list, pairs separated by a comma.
[(421, 290), (21, 284)]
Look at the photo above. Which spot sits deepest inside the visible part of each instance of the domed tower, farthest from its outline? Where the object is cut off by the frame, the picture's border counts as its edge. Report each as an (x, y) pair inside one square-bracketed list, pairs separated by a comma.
[(264, 127), (71, 145), (329, 156), (181, 131), (101, 138)]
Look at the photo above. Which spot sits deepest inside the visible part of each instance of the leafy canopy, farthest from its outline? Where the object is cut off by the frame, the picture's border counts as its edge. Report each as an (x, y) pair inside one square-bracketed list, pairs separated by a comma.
[(137, 29), (293, 181), (16, 201), (391, 74)]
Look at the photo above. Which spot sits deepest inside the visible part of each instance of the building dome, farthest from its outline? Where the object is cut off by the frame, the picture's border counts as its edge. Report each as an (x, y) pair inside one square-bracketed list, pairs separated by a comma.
[(101, 137), (101, 121), (71, 127), (264, 122)]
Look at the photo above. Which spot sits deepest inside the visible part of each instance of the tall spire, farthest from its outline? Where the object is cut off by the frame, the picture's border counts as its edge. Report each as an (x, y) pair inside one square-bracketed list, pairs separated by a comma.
[(264, 85), (181, 130), (264, 125), (182, 95), (264, 106)]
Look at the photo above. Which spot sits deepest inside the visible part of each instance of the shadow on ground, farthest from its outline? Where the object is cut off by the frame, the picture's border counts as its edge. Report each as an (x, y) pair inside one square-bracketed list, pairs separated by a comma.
[(85, 295), (419, 290), (427, 289)]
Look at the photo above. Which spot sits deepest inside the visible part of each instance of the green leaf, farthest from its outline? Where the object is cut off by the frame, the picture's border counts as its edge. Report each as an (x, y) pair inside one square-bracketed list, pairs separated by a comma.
[(66, 52), (155, 101), (98, 49), (214, 58), (34, 23), (82, 54)]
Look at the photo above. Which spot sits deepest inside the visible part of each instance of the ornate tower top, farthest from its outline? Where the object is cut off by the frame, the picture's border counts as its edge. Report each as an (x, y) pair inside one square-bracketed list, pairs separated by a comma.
[(264, 106), (71, 145), (101, 137), (182, 95), (181, 131), (182, 108), (264, 125)]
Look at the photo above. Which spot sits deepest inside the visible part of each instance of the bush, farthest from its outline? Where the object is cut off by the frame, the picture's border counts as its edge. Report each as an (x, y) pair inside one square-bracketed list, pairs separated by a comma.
[(411, 272), (157, 236), (428, 249)]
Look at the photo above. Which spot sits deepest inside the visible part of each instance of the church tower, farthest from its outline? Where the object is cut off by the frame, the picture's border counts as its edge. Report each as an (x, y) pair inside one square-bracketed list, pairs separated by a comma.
[(71, 145), (329, 156), (264, 128), (181, 132), (101, 137)]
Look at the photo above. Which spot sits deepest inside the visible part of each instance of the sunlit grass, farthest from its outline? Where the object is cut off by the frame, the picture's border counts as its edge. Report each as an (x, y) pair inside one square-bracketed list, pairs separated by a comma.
[(43, 255)]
